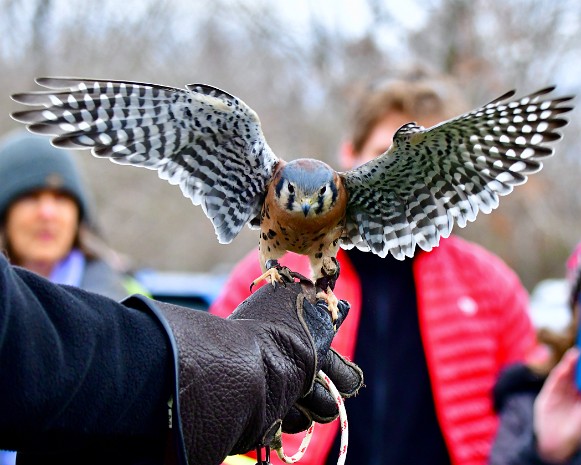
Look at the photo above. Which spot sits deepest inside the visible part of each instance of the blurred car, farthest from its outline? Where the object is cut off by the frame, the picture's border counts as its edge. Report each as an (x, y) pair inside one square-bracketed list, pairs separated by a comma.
[(193, 290)]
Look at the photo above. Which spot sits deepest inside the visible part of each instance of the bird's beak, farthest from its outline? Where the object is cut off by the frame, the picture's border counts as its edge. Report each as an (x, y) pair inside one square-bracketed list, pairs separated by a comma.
[(306, 207)]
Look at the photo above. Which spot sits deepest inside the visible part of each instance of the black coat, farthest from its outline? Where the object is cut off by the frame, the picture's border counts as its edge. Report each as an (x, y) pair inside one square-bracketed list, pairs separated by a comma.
[(110, 361)]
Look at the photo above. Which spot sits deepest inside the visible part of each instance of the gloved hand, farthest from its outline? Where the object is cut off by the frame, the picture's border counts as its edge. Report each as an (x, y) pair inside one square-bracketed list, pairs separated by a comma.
[(241, 378)]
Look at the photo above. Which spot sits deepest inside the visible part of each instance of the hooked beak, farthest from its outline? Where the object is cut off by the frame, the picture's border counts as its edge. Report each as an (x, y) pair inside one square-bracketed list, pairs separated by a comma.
[(306, 207)]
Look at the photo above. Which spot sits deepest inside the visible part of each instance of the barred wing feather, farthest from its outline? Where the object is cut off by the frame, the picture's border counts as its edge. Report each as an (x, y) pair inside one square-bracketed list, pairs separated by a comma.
[(431, 178)]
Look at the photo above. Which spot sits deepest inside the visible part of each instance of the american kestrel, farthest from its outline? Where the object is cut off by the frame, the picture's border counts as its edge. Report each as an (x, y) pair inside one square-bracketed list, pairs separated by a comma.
[(211, 144)]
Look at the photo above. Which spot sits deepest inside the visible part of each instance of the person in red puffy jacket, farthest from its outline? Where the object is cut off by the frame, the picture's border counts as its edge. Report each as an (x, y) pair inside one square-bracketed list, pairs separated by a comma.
[(430, 333)]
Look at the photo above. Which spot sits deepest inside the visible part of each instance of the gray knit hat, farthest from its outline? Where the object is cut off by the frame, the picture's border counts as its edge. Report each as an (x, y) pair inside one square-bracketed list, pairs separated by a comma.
[(29, 162)]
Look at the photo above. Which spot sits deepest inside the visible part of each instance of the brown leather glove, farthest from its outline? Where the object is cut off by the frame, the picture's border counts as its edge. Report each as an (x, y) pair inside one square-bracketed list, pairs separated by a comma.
[(241, 378)]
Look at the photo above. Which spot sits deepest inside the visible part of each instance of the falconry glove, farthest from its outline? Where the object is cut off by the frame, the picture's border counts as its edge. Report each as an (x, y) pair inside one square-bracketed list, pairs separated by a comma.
[(243, 377)]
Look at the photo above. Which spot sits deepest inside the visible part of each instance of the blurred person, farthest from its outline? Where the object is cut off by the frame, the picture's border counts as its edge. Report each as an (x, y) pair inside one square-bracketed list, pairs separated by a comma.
[(87, 380), (540, 404), (45, 222), (431, 333)]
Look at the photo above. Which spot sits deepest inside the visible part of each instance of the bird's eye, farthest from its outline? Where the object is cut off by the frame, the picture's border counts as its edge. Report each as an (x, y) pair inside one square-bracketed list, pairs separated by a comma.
[(291, 188), (323, 190)]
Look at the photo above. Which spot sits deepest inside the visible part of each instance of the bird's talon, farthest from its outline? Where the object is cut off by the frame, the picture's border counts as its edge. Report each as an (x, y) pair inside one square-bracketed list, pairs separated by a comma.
[(287, 274), (274, 274), (332, 304)]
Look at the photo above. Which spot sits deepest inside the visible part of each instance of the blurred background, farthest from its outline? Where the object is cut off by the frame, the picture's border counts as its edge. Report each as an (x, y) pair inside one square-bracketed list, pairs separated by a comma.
[(300, 65)]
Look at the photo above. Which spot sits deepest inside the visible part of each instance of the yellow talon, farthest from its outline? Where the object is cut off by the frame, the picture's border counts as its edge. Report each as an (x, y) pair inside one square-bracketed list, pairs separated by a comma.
[(271, 275), (332, 302)]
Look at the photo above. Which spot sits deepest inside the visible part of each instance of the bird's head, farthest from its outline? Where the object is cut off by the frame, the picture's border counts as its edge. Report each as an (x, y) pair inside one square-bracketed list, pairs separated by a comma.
[(306, 187)]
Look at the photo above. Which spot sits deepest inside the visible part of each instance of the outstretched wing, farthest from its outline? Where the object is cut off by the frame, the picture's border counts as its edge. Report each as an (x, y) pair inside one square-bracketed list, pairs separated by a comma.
[(206, 141), (412, 194)]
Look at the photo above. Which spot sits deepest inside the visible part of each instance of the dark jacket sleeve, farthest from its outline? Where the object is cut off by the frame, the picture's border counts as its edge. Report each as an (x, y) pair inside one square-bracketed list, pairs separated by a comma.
[(514, 397), (514, 438), (81, 375)]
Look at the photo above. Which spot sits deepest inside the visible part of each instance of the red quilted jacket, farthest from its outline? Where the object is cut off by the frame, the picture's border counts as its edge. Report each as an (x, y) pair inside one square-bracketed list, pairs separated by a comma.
[(473, 321)]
